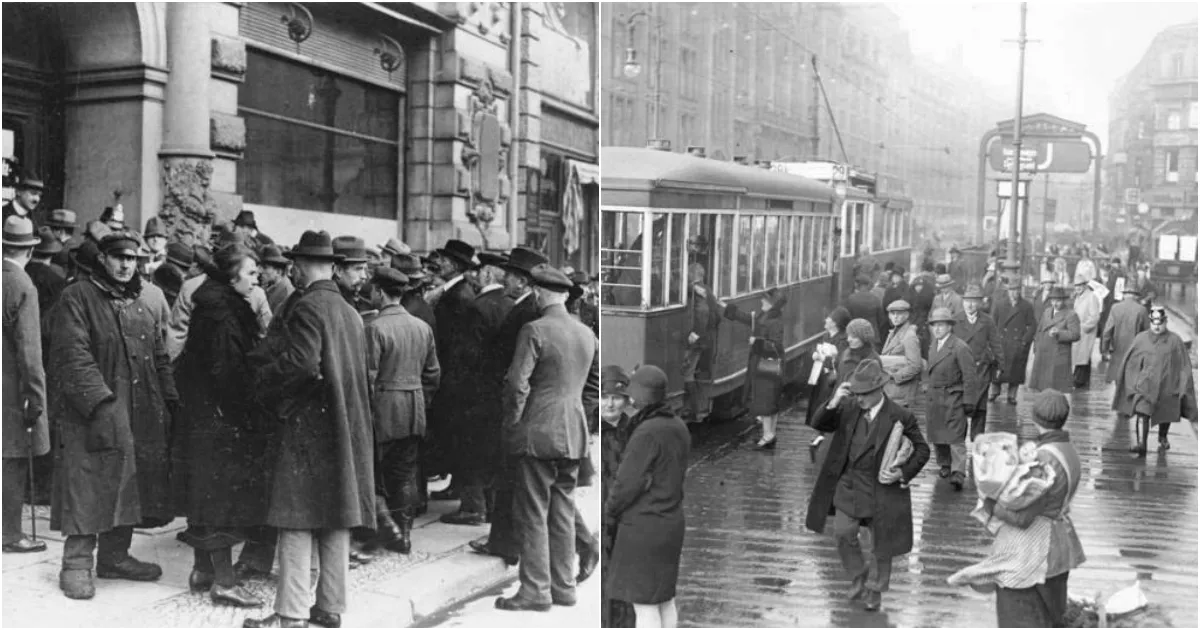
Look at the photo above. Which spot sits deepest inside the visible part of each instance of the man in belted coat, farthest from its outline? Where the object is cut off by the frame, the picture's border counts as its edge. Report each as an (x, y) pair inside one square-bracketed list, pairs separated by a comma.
[(458, 356), (1017, 322), (25, 427), (545, 432), (977, 329), (1127, 319), (112, 394), (403, 372), (479, 447), (323, 480), (1057, 330), (954, 387), (858, 488)]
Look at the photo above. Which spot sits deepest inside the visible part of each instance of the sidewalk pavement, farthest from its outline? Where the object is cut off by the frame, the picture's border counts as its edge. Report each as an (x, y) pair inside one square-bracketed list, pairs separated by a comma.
[(392, 591)]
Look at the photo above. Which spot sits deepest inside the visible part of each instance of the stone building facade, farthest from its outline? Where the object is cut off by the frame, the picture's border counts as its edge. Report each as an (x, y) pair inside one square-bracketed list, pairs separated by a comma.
[(422, 120)]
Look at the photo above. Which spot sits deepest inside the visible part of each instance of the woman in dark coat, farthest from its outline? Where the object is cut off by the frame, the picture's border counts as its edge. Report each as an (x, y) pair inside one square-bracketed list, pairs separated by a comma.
[(645, 503), (219, 441), (614, 433), (762, 393)]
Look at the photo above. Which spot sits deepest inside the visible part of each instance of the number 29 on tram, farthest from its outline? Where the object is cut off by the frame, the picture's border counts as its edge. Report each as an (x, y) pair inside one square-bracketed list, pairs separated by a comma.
[(670, 222)]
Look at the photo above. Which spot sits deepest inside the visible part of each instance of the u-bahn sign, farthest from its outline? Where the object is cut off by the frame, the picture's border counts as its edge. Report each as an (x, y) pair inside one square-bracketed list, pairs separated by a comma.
[(1042, 156)]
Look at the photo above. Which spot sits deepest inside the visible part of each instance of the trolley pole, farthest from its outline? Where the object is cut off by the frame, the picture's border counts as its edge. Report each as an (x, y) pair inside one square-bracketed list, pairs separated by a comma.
[(1011, 256)]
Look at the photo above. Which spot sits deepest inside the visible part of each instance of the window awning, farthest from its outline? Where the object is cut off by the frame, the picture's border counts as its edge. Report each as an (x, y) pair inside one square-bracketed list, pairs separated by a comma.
[(588, 173)]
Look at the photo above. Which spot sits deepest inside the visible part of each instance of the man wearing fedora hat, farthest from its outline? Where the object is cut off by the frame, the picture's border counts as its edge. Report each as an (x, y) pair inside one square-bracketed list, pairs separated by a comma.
[(62, 223), (858, 489), (1057, 329), (956, 268), (49, 278), (393, 247), (545, 432), (978, 330), (1127, 319), (947, 297), (114, 394), (273, 276), (178, 267), (1017, 323), (27, 199), (246, 227), (1155, 383), (1087, 307), (479, 431), (414, 294), (954, 392), (25, 432), (323, 484)]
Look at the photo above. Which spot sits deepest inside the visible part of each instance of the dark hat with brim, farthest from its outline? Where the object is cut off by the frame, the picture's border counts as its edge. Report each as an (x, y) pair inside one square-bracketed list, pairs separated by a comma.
[(551, 279), (120, 243), (49, 244), (524, 260), (955, 250), (351, 249), (395, 247), (941, 315), (614, 381), (581, 278), (18, 232), (154, 227), (314, 246), (868, 377), (458, 250), (245, 218), (1058, 293), (30, 183), (410, 265), (494, 260), (180, 254), (389, 278), (272, 255), (63, 219), (648, 385)]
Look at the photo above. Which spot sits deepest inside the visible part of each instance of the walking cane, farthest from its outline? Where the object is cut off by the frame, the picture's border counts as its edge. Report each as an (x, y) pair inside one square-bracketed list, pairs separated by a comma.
[(32, 494)]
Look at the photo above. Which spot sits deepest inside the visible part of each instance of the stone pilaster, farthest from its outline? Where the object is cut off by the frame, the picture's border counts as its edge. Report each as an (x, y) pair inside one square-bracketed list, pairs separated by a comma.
[(529, 135)]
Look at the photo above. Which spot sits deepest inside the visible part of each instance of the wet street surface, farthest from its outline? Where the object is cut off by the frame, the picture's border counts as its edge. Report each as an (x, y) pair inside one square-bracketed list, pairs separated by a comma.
[(748, 560)]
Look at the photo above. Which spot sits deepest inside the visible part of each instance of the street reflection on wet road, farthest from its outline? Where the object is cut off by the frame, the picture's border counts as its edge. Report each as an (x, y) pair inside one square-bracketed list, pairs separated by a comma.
[(749, 561)]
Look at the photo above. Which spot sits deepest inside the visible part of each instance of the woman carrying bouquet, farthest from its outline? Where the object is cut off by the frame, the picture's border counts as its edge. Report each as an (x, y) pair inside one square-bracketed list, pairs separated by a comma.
[(766, 342), (827, 353)]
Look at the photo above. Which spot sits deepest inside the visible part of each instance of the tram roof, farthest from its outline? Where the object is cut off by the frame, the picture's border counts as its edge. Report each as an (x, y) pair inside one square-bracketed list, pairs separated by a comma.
[(632, 168)]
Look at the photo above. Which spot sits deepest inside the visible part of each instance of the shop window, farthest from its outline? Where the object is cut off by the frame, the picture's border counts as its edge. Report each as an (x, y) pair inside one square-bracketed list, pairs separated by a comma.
[(1173, 166), (316, 140)]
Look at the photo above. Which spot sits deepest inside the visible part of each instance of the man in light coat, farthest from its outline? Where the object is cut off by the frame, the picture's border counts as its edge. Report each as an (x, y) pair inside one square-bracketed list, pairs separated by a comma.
[(947, 297), (545, 431), (1087, 307), (901, 356), (1127, 319), (25, 427), (1058, 328)]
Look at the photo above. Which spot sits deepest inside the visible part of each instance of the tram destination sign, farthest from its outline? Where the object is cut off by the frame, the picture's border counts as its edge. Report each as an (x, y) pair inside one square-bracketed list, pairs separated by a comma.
[(1048, 156)]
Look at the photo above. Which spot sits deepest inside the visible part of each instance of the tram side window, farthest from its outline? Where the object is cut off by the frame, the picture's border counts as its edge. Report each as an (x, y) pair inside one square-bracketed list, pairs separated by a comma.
[(722, 282), (745, 248), (621, 258), (701, 237), (759, 264), (823, 242), (677, 238), (771, 233), (787, 257)]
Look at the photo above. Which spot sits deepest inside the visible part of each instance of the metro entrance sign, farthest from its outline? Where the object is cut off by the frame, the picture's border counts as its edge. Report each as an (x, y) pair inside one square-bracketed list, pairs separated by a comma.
[(1028, 161), (1051, 156)]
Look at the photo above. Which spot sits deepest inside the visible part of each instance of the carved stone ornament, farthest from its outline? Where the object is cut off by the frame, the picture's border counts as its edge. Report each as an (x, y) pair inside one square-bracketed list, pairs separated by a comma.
[(486, 18), (484, 156), (187, 205)]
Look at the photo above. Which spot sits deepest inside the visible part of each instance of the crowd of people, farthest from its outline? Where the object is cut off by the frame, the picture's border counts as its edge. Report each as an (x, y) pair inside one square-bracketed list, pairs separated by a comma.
[(297, 401)]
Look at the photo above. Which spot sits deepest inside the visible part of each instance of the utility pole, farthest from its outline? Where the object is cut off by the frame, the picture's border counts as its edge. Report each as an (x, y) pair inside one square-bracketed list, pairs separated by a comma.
[(1011, 256)]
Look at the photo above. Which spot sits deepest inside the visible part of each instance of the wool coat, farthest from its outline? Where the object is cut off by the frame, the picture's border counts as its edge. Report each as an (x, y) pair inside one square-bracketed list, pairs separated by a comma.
[(278, 293), (892, 521), (415, 304), (458, 357), (316, 385), (556, 358), (24, 372), (1127, 319), (403, 372), (950, 300), (220, 440), (1156, 379), (1017, 324), (768, 342), (953, 381), (1087, 307), (1052, 367), (110, 382), (645, 504), (49, 281), (905, 366), (481, 432), (984, 342), (181, 313), (704, 313), (866, 305)]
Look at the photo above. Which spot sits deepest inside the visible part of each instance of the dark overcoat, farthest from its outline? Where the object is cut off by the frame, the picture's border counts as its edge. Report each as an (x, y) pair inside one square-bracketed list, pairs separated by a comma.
[(112, 468), (984, 342), (768, 343), (1156, 379), (892, 523), (316, 385), (220, 440), (458, 357), (481, 428), (1127, 319), (24, 372), (645, 504), (1017, 324), (49, 281), (403, 371), (867, 305), (953, 382), (1052, 367), (415, 304), (278, 293)]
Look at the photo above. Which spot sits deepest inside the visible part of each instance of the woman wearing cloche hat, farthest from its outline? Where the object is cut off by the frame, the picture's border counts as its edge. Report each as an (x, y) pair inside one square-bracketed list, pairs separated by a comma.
[(614, 432)]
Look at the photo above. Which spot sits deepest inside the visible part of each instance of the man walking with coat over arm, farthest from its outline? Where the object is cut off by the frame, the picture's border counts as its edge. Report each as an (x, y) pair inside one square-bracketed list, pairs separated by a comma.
[(545, 430)]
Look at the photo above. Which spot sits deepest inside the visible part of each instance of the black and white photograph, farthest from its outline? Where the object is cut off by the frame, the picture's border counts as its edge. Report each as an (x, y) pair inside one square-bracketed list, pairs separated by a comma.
[(898, 311), (300, 314)]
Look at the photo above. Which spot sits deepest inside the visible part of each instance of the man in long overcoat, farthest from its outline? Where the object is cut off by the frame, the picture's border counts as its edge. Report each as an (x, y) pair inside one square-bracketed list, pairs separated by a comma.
[(704, 313), (480, 430), (863, 304), (545, 431), (1017, 323), (403, 371), (1087, 307), (1057, 330), (1127, 319), (454, 311), (857, 488), (977, 329), (954, 387), (111, 390), (1156, 383), (25, 427), (323, 481)]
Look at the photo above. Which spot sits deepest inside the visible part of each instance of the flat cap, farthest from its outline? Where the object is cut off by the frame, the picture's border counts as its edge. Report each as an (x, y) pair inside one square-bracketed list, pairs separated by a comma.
[(389, 277), (550, 278), (120, 242), (899, 306)]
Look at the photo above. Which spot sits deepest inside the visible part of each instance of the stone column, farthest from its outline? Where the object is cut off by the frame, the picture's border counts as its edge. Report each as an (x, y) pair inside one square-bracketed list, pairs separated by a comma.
[(185, 160)]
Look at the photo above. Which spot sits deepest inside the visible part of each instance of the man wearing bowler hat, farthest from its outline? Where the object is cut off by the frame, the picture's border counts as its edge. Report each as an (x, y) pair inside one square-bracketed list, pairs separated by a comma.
[(274, 278), (112, 394), (25, 428), (28, 197), (545, 432), (479, 430), (246, 227), (859, 488), (323, 484), (350, 271)]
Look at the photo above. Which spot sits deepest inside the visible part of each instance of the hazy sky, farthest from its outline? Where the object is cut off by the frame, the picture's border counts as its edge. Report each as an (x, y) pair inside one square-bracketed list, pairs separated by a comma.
[(1085, 47)]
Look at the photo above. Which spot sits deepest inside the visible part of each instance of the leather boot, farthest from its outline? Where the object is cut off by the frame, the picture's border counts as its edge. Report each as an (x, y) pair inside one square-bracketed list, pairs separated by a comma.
[(403, 544), (388, 531), (77, 583)]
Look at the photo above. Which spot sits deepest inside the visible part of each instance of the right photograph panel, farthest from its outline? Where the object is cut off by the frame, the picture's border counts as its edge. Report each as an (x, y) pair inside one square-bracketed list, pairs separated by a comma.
[(898, 314)]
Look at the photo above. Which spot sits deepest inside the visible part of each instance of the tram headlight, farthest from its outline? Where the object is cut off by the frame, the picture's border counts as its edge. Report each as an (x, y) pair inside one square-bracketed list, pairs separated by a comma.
[(632, 67)]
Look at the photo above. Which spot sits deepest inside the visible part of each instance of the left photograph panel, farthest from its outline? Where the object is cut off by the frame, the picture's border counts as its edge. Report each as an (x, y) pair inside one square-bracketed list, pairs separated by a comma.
[(300, 325)]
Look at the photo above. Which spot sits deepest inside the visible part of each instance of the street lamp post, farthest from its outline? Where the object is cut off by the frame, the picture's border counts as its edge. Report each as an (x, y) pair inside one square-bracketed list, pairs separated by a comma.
[(1011, 254), (633, 68)]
